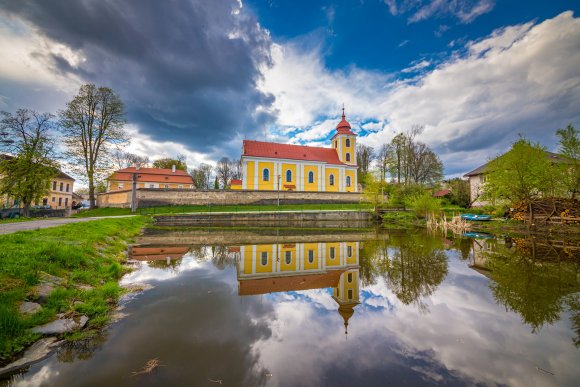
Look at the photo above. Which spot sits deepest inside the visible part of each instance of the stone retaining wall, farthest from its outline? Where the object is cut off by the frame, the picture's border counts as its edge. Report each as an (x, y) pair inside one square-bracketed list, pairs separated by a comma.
[(150, 197), (323, 219)]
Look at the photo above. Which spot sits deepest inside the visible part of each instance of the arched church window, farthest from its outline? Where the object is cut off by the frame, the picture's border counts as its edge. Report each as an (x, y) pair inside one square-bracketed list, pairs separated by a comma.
[(264, 258), (288, 176), (311, 177), (288, 257), (348, 142), (310, 256), (348, 181), (331, 180), (348, 157), (266, 174)]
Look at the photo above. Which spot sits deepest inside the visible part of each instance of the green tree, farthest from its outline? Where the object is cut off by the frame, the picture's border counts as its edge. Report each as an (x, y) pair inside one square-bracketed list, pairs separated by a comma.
[(216, 184), (570, 147), (364, 157), (459, 191), (93, 125), (522, 174), (26, 176), (168, 163)]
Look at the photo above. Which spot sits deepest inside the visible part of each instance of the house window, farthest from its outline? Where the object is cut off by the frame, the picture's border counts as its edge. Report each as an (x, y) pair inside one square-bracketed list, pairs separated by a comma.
[(348, 157), (332, 253), (310, 256), (61, 186), (151, 185), (348, 142), (264, 259), (331, 180), (288, 176), (288, 258), (53, 199), (59, 202), (349, 251), (266, 174), (350, 294), (54, 185), (66, 202), (348, 181), (180, 186), (349, 277), (121, 185), (311, 177), (67, 187), (166, 185)]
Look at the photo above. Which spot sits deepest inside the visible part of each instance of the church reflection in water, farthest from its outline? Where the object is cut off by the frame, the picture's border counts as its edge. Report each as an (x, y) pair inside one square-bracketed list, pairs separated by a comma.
[(286, 267)]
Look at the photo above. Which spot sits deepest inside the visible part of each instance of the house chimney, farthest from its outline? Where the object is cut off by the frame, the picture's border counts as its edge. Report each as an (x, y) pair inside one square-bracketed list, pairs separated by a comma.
[(173, 168)]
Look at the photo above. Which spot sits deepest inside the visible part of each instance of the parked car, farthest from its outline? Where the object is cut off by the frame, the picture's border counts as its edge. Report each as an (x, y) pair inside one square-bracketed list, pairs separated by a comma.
[(42, 207)]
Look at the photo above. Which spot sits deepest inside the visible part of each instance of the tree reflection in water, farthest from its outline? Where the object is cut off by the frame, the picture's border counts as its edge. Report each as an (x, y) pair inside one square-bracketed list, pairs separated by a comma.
[(538, 279), (412, 265)]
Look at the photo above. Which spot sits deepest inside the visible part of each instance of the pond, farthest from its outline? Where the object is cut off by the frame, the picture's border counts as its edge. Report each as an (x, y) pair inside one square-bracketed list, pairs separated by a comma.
[(335, 308)]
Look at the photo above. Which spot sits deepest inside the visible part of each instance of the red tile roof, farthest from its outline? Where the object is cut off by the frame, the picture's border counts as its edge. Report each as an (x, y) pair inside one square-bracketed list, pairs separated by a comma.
[(154, 175), (293, 152), (289, 283), (442, 193), (236, 182)]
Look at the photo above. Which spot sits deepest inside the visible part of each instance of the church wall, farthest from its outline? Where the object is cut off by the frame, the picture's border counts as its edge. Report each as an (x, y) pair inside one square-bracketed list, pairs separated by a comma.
[(352, 174), (315, 264), (250, 175), (349, 149), (270, 183), (310, 187), (293, 181), (334, 172), (332, 260), (291, 248)]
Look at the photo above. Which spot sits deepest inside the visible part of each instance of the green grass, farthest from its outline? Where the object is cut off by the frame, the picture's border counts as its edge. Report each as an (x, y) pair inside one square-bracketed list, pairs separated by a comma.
[(82, 253), (224, 208), (18, 220)]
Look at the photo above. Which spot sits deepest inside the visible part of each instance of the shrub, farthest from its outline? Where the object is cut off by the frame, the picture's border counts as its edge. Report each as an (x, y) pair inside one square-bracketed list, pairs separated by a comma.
[(424, 204)]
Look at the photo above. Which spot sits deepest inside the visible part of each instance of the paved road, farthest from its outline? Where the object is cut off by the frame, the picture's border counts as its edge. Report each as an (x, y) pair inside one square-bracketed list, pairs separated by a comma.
[(9, 228)]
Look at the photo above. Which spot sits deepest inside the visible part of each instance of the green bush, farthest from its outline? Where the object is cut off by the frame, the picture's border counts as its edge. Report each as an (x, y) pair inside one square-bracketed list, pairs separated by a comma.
[(424, 204)]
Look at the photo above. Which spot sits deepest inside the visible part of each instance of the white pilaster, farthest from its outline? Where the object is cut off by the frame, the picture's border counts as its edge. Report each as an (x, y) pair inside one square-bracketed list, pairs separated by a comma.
[(323, 177), (245, 175), (254, 259), (256, 175), (242, 255)]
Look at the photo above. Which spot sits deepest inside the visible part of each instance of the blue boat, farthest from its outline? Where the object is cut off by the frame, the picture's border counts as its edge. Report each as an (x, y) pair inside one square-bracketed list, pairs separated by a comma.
[(478, 235), (481, 218)]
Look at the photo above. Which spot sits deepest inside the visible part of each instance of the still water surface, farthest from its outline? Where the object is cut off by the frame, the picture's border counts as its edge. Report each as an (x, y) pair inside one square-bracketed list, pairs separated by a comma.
[(281, 308)]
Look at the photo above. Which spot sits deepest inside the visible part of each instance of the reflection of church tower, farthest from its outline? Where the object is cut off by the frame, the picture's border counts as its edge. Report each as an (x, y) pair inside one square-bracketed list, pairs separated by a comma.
[(346, 295)]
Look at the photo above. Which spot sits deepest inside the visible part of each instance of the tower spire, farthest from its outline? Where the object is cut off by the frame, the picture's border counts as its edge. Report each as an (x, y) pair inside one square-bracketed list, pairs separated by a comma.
[(343, 117)]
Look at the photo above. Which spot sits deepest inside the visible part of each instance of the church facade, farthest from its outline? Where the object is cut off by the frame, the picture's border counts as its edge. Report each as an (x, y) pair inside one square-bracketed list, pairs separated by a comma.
[(285, 167)]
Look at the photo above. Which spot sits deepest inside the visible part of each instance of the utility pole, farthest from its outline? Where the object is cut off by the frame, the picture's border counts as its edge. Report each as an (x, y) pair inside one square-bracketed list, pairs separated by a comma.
[(134, 193)]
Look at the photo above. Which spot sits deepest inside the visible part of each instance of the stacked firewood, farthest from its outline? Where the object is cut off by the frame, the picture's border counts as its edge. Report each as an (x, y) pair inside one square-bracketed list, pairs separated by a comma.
[(558, 210)]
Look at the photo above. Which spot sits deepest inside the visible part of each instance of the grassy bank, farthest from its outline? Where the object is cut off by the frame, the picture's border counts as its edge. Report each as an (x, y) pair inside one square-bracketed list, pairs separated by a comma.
[(224, 208), (82, 254)]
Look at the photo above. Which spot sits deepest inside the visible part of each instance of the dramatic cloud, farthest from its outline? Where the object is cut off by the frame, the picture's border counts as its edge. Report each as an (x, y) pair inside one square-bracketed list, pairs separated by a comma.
[(520, 79), (186, 72), (464, 10)]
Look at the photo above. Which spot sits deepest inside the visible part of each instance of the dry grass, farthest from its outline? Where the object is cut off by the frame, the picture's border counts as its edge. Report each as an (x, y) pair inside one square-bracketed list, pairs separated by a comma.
[(149, 367)]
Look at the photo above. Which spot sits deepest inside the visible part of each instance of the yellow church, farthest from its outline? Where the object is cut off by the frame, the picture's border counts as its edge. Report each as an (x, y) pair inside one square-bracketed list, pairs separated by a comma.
[(277, 167), (286, 267)]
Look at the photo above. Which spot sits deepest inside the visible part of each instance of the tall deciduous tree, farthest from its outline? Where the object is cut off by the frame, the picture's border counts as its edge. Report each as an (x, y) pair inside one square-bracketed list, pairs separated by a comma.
[(202, 176), (26, 176), (224, 171), (521, 174), (124, 159), (364, 157), (92, 124), (570, 147), (168, 163)]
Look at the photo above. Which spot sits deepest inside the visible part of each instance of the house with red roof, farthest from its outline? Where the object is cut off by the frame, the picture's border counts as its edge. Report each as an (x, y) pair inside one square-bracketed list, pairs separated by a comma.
[(285, 167), (149, 178)]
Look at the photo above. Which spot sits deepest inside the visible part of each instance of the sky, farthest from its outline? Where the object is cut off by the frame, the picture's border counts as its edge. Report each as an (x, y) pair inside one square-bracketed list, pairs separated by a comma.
[(197, 77)]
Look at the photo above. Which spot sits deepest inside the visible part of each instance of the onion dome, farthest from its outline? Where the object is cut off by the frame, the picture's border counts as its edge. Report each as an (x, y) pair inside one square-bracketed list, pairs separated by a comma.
[(343, 126)]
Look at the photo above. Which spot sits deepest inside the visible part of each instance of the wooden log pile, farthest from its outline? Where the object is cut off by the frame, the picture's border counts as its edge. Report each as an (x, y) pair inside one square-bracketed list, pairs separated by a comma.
[(548, 210)]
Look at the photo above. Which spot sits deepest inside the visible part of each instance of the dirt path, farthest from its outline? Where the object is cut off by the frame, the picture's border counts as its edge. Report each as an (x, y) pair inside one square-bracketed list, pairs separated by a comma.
[(9, 228)]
